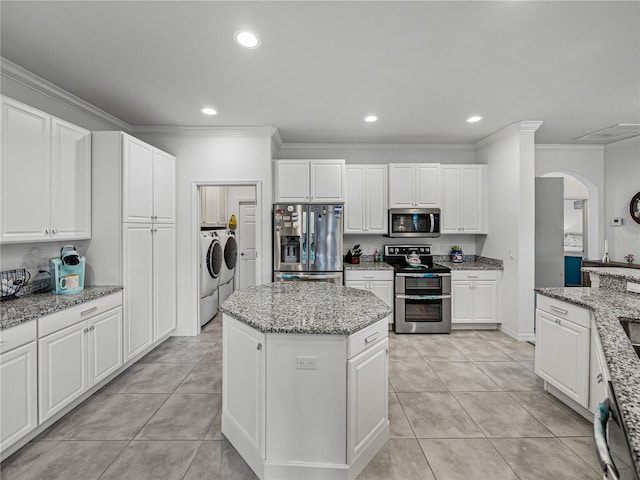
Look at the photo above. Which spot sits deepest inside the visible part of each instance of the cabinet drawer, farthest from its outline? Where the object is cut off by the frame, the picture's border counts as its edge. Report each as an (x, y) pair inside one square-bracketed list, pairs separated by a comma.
[(64, 318), (17, 336), (367, 337), (457, 275), (573, 313), (368, 275)]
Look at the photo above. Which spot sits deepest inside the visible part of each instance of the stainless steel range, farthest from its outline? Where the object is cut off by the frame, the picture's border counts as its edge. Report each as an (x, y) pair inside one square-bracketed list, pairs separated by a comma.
[(422, 290)]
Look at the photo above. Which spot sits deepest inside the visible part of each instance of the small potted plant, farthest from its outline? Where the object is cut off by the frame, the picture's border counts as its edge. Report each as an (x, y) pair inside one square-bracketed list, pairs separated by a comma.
[(456, 254), (629, 258)]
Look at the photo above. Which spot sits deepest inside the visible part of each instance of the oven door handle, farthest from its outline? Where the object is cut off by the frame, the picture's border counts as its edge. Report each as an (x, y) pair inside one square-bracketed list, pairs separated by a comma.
[(423, 275), (423, 297), (600, 419)]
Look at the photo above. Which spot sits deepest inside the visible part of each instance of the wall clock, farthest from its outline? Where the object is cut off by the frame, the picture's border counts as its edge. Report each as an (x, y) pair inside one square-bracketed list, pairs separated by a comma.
[(634, 208)]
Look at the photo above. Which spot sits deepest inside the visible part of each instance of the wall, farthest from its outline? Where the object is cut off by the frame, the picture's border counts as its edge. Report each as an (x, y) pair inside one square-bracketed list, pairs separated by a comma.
[(622, 182), (240, 158), (586, 163), (510, 157)]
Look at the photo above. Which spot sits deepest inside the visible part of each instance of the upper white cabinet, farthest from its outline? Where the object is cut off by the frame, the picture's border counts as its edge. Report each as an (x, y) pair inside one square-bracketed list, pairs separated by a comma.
[(414, 185), (213, 206), (315, 181), (464, 206), (46, 177), (367, 204), (148, 176)]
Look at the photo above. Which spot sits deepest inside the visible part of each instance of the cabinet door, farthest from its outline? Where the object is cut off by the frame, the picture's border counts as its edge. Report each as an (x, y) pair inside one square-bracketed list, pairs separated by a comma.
[(598, 371), (327, 181), (472, 210), (70, 181), (376, 200), (562, 356), (292, 181), (384, 291), (484, 302), (18, 394), (62, 368), (164, 187), (354, 208), (402, 183), (427, 189), (25, 173), (450, 221), (367, 398), (105, 345), (461, 302), (164, 280), (138, 288), (137, 180), (243, 400)]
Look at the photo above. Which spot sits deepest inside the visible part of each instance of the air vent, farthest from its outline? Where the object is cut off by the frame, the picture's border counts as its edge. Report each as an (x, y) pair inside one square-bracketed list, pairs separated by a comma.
[(613, 133)]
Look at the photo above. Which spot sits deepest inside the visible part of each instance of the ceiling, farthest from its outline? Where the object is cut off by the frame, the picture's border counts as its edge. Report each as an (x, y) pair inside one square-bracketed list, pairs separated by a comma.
[(422, 67)]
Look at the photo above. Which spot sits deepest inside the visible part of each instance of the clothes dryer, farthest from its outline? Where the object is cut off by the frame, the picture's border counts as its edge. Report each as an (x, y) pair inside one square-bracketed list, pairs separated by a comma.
[(211, 263), (229, 266)]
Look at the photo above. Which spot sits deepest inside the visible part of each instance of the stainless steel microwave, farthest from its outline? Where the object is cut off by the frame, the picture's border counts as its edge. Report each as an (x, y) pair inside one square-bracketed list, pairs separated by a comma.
[(414, 222)]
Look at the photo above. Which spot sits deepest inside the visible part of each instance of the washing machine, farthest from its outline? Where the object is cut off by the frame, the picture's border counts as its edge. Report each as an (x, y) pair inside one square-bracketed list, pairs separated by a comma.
[(211, 262), (228, 266)]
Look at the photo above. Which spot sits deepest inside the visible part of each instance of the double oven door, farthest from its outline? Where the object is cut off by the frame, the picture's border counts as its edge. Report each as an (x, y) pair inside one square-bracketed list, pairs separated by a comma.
[(422, 302)]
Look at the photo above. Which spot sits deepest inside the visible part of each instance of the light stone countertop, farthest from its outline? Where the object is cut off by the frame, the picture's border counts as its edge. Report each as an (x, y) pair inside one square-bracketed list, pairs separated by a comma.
[(473, 265), (305, 308), (618, 272), (623, 363), (368, 265), (35, 305)]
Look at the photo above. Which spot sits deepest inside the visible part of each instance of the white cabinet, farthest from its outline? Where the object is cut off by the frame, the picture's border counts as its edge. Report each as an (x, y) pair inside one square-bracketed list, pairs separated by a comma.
[(18, 393), (46, 177), (562, 347), (148, 177), (474, 296), (244, 382), (378, 282), (366, 206), (315, 181), (464, 206), (598, 371), (134, 245), (75, 358), (367, 397), (213, 207), (414, 185)]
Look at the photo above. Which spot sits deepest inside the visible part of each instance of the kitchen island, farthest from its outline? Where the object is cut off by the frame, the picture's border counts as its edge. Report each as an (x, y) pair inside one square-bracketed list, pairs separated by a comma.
[(305, 379)]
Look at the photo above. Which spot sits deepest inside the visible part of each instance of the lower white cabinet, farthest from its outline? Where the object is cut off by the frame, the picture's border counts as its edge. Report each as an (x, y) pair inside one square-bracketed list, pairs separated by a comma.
[(598, 371), (367, 397), (73, 359), (378, 282), (562, 347), (18, 393), (474, 297)]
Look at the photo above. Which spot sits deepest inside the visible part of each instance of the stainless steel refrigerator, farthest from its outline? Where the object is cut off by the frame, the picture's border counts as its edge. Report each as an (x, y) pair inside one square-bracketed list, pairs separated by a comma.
[(307, 242)]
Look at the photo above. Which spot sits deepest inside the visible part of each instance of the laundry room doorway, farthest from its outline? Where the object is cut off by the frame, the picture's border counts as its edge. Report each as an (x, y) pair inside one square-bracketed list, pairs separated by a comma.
[(247, 245)]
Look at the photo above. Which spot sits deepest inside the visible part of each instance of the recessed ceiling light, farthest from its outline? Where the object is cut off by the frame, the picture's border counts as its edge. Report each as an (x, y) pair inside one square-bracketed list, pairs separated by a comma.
[(247, 39), (208, 111), (474, 119), (370, 118)]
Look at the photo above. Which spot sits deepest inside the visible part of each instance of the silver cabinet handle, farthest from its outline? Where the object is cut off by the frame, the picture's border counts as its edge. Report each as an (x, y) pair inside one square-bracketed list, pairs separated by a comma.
[(55, 230), (600, 419), (87, 312), (472, 276), (369, 276), (559, 310), (47, 231), (85, 330), (371, 337), (259, 347)]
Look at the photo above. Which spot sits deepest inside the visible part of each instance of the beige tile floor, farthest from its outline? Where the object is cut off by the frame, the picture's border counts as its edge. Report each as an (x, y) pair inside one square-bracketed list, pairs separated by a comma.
[(465, 406)]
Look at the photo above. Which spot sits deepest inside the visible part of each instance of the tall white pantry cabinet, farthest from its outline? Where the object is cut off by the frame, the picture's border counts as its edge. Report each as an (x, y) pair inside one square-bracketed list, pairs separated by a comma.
[(134, 238)]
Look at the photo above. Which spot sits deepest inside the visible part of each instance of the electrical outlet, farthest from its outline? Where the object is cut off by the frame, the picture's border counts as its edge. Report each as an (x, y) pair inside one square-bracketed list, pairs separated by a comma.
[(306, 363)]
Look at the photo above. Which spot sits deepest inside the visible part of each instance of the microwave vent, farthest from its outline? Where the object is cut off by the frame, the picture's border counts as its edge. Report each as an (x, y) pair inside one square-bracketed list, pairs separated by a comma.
[(612, 133)]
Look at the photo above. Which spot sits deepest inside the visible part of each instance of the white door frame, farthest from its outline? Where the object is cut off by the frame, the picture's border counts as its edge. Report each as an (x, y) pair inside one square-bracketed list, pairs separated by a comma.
[(195, 234)]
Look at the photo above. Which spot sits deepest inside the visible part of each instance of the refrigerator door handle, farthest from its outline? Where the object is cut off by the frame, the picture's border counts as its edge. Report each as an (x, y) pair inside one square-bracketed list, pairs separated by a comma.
[(304, 223), (312, 247)]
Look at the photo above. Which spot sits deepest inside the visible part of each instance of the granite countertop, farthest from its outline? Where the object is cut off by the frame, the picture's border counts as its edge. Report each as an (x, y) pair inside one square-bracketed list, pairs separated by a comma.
[(622, 361), (29, 307), (367, 265), (618, 272), (472, 265), (305, 307)]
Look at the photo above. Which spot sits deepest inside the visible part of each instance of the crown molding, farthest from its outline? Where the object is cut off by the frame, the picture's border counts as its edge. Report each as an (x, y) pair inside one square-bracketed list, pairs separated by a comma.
[(524, 126), (569, 146), (622, 143), (462, 147), (21, 75), (206, 131)]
